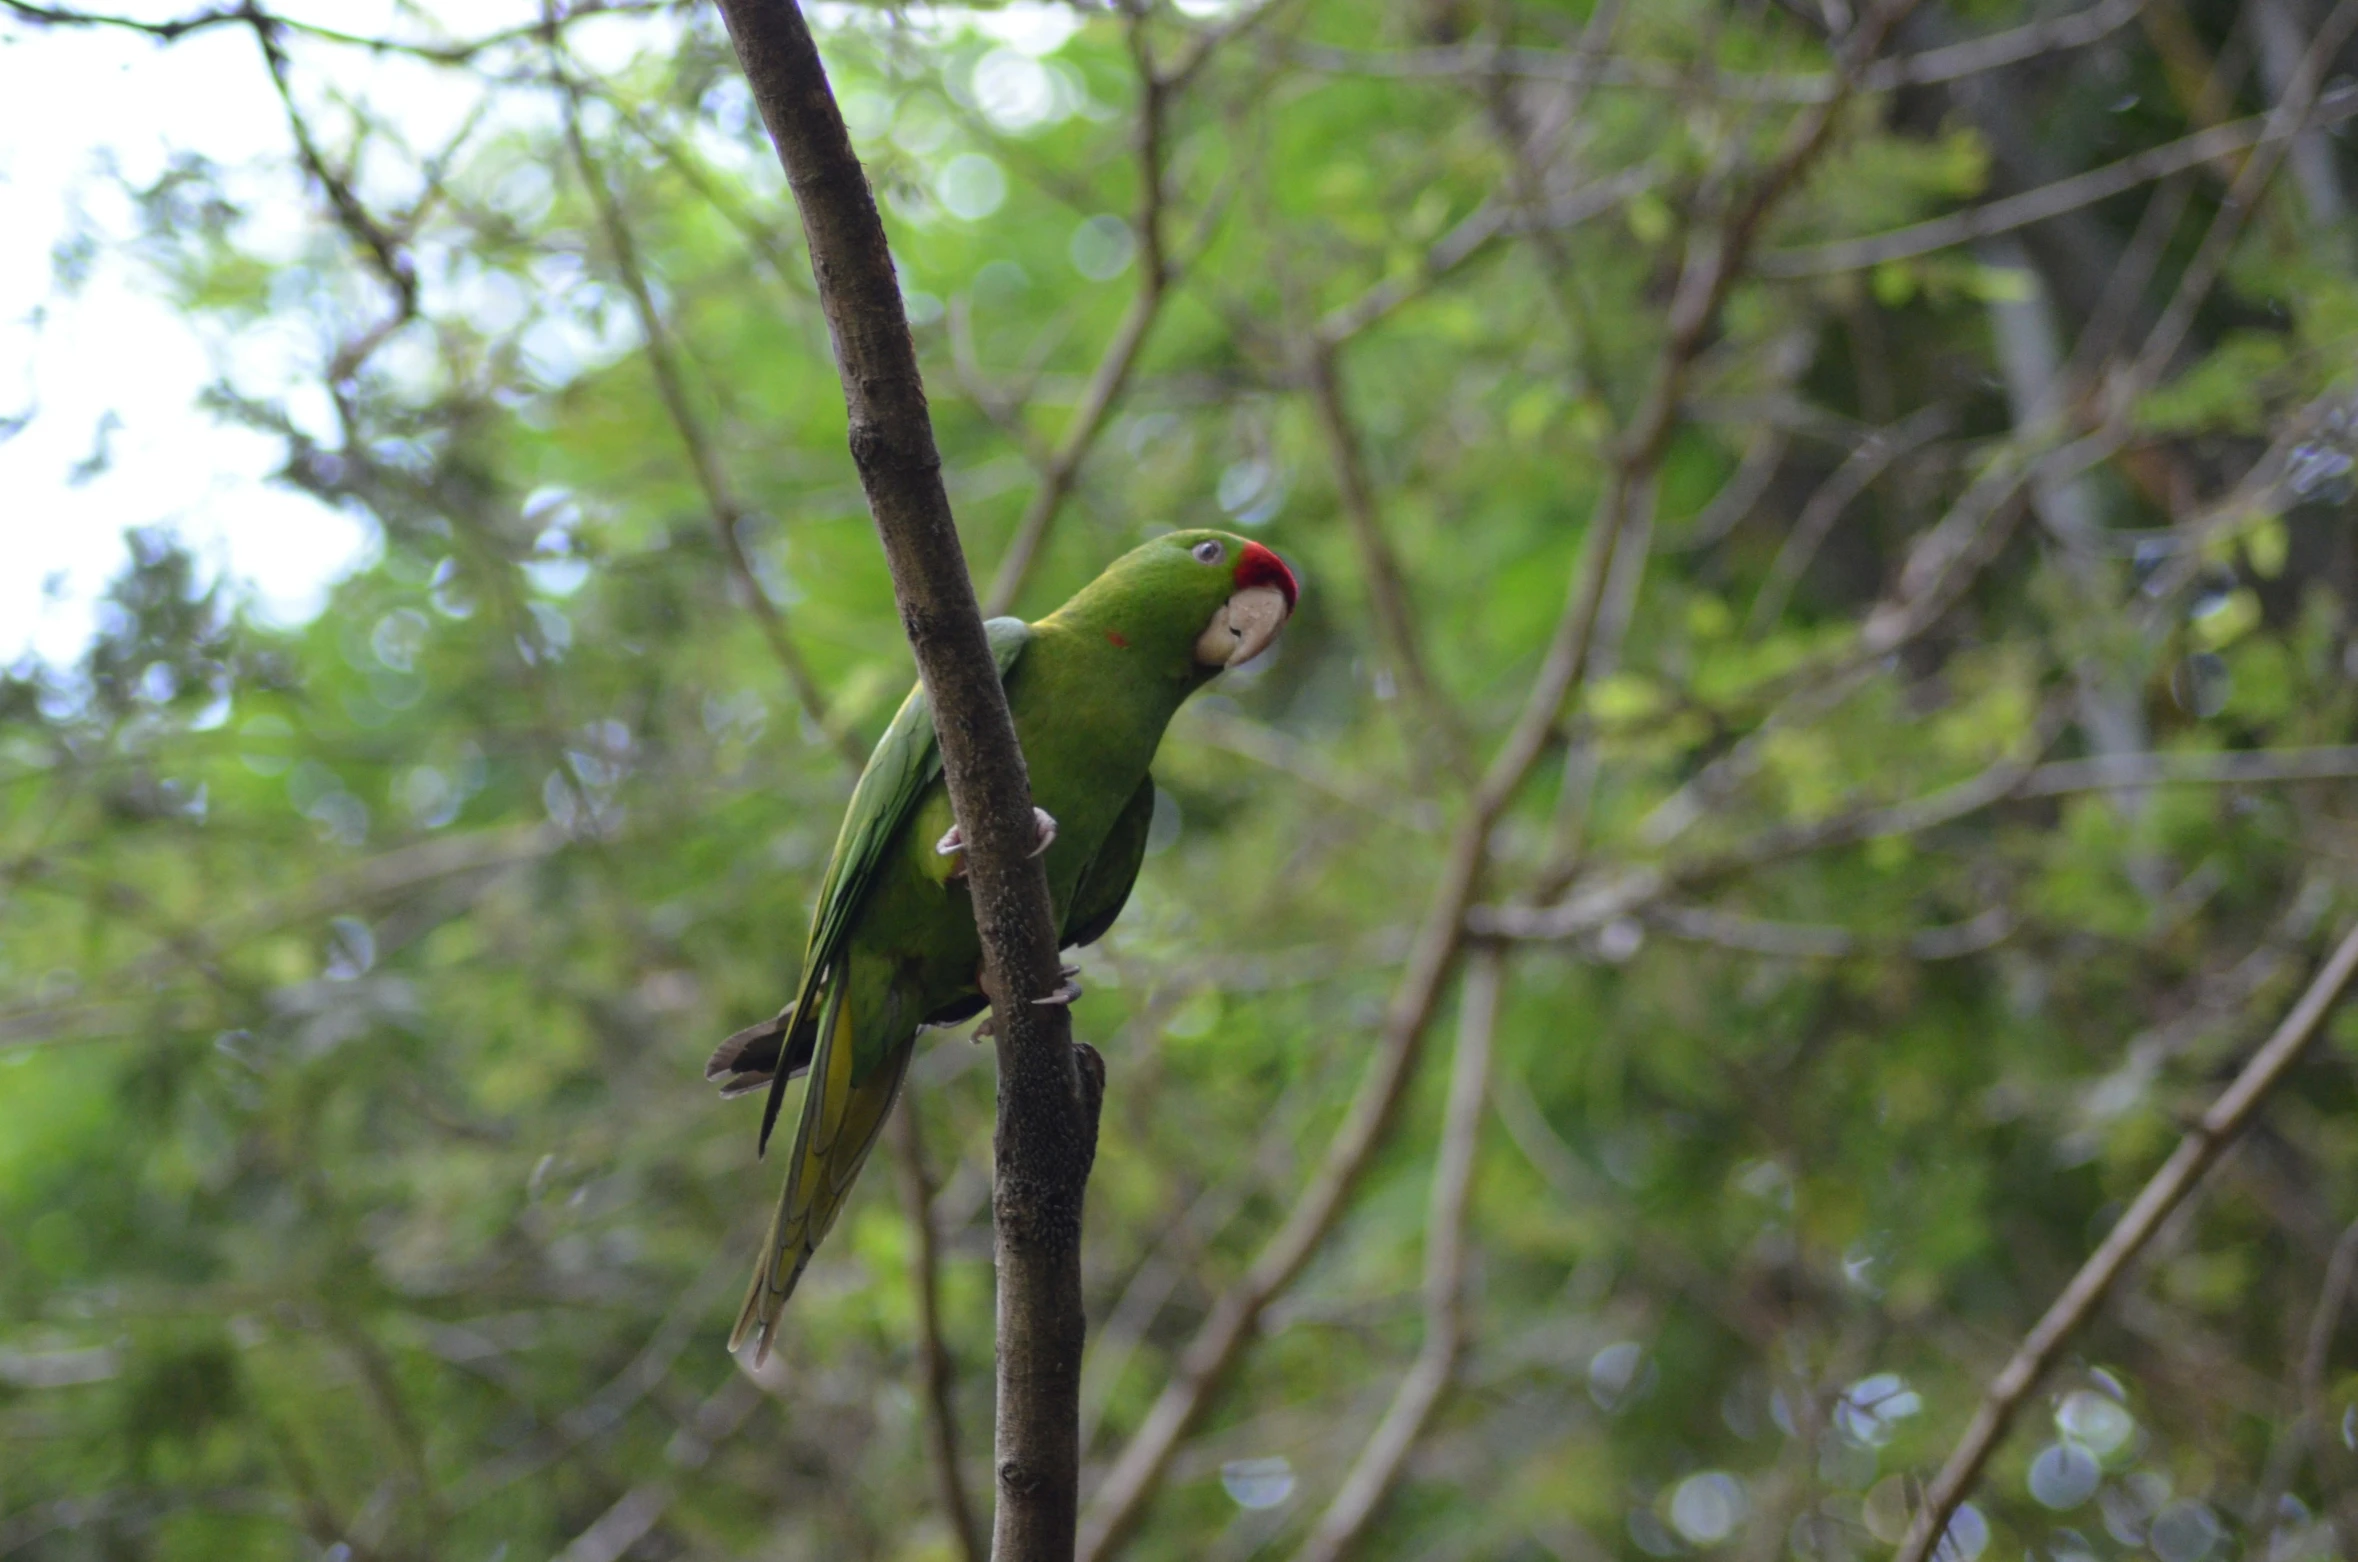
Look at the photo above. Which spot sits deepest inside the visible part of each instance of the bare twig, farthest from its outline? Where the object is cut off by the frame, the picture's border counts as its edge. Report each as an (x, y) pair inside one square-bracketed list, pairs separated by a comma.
[(2297, 109), (2297, 1436), (2135, 770), (2278, 26), (720, 501), (1872, 458), (2210, 1137), (461, 52), (1387, 587), (1282, 751), (1576, 792), (1950, 63), (1049, 1091), (1629, 891), (1798, 940), (1472, 237), (1379, 1463), (2317, 1348), (1714, 258), (1155, 275), (385, 250), (1219, 1343), (607, 1405), (937, 1374), (2020, 211), (622, 1526)]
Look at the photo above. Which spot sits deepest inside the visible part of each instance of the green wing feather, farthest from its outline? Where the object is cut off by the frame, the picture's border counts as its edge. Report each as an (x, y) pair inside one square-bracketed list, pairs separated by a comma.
[(1106, 883), (905, 762)]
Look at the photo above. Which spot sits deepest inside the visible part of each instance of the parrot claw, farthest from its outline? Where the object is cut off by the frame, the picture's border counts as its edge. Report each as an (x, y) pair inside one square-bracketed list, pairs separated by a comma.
[(953, 840), (1064, 994)]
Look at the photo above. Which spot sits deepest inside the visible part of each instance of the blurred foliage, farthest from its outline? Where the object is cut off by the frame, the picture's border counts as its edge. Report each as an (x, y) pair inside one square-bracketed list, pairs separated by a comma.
[(359, 1193)]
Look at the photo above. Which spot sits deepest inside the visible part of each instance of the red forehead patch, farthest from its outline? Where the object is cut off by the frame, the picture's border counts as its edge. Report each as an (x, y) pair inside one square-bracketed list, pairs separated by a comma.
[(1257, 566)]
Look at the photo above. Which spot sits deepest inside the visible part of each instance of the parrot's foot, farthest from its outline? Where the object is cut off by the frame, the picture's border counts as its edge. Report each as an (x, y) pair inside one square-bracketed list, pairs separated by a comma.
[(1066, 993), (953, 842)]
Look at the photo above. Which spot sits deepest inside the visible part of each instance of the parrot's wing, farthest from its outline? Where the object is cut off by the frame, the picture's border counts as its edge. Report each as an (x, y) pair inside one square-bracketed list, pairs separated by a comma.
[(905, 762), (841, 1117), (1105, 884)]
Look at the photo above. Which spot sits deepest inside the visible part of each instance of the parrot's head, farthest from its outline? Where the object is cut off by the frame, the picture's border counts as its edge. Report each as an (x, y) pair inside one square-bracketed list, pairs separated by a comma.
[(1211, 597)]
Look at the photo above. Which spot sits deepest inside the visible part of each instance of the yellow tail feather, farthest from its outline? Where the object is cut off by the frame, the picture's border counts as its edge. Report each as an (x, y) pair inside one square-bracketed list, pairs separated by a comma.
[(839, 1125)]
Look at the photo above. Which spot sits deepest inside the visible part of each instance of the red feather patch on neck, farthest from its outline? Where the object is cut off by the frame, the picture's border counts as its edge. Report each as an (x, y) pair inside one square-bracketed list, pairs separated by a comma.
[(1257, 566)]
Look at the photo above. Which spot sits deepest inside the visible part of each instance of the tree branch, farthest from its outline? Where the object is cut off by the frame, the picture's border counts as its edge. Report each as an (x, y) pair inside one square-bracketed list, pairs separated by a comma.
[(1049, 1091), (937, 1373), (1712, 262), (1868, 462), (2020, 211), (1378, 1466), (720, 501), (1585, 69), (1155, 272), (1387, 586), (462, 52), (2210, 1137)]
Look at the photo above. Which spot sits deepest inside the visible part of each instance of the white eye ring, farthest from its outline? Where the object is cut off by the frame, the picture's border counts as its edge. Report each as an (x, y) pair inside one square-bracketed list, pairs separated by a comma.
[(1208, 551)]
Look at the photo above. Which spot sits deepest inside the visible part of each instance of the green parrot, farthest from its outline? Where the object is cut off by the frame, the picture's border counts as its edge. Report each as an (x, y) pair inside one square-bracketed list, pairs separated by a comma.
[(892, 945)]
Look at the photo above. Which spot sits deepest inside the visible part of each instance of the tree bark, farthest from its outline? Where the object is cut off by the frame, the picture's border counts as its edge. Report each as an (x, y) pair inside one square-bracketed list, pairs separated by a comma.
[(1049, 1091)]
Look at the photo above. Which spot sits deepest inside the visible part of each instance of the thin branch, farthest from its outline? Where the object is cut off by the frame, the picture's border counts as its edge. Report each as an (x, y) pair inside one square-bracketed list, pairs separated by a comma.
[(173, 29), (2202, 1146), (2299, 108), (1813, 941), (720, 502), (610, 1402), (1713, 259), (1220, 1341), (2333, 1297), (1472, 237), (2296, 1438), (2257, 766), (1190, 1236), (2052, 200), (1952, 62), (1371, 1478), (1605, 896), (1576, 791), (394, 873), (382, 247), (1387, 586), (611, 1535), (1049, 1090), (1770, 421), (1281, 751), (1868, 462), (1155, 275), (937, 1374), (2014, 777)]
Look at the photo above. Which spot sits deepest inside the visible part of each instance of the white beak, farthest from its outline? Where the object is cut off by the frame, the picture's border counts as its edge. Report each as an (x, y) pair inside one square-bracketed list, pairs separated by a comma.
[(1243, 627)]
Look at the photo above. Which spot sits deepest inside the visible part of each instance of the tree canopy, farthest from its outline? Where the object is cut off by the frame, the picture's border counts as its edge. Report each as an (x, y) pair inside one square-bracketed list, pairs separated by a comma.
[(1817, 741)]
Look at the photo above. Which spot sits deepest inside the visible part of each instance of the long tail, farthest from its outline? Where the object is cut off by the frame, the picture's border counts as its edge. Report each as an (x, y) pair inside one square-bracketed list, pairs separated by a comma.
[(839, 1125)]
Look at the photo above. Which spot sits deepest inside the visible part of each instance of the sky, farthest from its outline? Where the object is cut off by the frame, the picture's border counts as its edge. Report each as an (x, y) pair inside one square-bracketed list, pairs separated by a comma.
[(100, 381), (105, 376)]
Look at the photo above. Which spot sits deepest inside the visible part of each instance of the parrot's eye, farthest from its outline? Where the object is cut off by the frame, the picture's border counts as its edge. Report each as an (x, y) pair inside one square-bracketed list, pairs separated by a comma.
[(1209, 551)]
